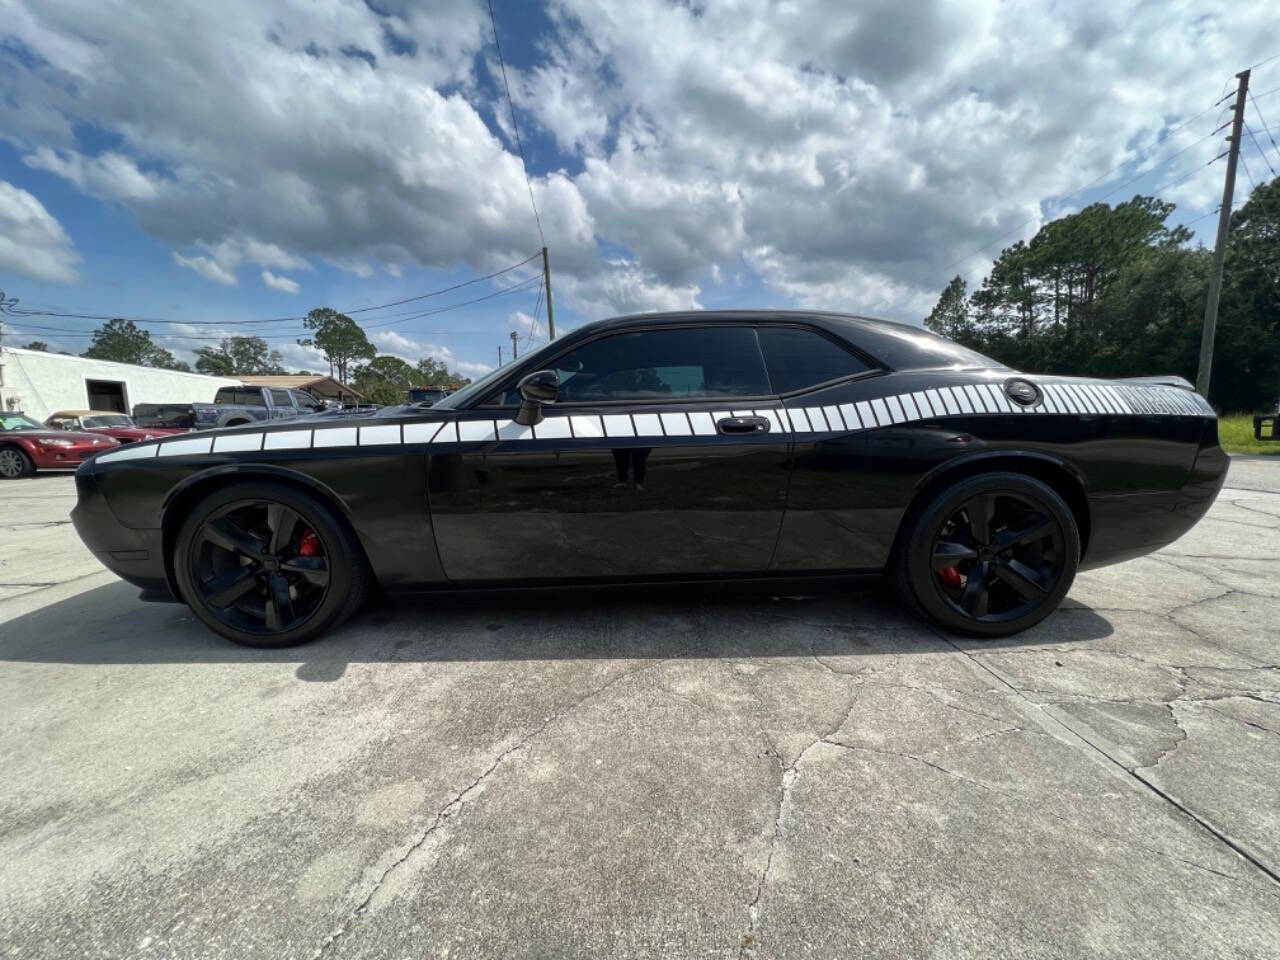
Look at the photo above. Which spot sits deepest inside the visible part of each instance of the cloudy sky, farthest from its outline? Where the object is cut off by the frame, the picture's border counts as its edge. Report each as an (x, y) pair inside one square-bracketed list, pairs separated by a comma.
[(215, 163)]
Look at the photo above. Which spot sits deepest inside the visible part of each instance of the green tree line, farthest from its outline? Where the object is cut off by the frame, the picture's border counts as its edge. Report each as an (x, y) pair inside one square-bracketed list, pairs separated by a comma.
[(352, 358), (1114, 291)]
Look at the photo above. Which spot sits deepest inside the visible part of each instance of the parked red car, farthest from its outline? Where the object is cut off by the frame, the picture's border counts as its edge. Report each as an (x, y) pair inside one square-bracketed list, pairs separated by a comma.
[(27, 445), (118, 425)]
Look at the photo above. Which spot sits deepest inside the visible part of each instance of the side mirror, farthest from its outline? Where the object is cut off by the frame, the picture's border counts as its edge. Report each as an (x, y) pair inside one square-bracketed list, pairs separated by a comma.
[(538, 388)]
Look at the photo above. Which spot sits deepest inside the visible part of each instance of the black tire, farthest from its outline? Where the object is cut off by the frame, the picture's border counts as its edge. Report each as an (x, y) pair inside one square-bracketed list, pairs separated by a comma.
[(15, 464), (992, 576), (241, 545)]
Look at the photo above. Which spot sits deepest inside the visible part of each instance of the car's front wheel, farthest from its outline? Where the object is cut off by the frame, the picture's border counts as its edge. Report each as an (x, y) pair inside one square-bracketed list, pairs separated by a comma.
[(989, 556), (267, 565), (14, 463)]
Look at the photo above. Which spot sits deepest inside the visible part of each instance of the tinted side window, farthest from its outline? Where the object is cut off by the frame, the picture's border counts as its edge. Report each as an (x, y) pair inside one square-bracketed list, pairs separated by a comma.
[(281, 398), (800, 358), (239, 396), (694, 364)]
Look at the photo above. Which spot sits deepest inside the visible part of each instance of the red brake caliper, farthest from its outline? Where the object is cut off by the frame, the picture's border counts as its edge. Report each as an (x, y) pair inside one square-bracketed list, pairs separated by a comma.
[(950, 576), (309, 545)]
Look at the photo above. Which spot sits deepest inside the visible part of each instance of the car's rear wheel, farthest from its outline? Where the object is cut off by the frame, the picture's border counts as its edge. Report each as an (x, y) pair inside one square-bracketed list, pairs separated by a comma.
[(14, 463), (267, 565), (989, 556)]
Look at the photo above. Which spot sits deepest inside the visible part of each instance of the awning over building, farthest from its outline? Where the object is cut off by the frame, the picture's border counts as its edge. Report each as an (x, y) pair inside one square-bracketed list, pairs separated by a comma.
[(318, 385)]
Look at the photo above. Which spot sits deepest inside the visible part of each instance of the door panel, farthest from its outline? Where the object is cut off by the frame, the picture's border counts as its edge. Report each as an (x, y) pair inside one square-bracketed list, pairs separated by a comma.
[(607, 493), (854, 472)]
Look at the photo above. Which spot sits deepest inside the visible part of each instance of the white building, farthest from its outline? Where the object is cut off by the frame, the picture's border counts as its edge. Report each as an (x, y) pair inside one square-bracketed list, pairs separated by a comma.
[(38, 384)]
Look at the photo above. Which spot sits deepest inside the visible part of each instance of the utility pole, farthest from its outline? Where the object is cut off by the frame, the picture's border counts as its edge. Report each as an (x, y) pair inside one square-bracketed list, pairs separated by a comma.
[(514, 339), (5, 305), (499, 354), (551, 313), (1220, 246)]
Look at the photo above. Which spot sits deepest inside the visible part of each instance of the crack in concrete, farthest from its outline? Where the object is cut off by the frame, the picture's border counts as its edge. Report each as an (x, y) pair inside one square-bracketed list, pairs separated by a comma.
[(1246, 523), (1037, 803), (1243, 505), (1195, 571), (1179, 741), (1219, 556), (1247, 723), (789, 774), (1169, 616), (1067, 652), (1132, 772), (454, 805), (933, 694)]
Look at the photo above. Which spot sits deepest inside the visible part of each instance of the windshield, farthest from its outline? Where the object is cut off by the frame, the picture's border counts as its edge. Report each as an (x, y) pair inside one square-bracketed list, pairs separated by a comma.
[(120, 420), (16, 422), (478, 388)]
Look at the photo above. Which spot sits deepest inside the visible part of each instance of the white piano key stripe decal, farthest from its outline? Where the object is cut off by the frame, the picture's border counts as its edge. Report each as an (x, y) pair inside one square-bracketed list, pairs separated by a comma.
[(237, 442), (962, 400)]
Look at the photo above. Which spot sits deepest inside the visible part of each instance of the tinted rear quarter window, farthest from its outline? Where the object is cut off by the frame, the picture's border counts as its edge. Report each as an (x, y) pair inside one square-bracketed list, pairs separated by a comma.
[(799, 358), (903, 347)]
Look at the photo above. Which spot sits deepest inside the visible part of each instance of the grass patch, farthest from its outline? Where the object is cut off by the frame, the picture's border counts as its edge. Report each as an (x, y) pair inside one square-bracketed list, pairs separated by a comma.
[(1235, 433)]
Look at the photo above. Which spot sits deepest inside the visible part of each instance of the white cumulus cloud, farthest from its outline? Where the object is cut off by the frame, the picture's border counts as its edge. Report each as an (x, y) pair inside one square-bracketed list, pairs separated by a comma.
[(841, 155), (283, 284), (411, 351), (32, 242), (207, 268)]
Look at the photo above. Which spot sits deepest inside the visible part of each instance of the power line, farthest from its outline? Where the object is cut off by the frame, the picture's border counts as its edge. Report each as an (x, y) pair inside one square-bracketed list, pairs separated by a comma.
[(537, 312), (237, 323), (1211, 213), (87, 334), (1136, 157), (1274, 56), (1263, 121), (1248, 173), (520, 287), (524, 166), (514, 288), (1101, 177), (1147, 172), (1186, 176), (1262, 153), (456, 286)]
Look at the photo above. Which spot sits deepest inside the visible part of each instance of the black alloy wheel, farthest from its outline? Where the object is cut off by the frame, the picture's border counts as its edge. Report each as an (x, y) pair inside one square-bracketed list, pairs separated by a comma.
[(992, 555), (267, 565)]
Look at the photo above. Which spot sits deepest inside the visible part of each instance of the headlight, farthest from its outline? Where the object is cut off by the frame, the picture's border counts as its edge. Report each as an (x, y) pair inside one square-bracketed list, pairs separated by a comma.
[(52, 442), (148, 436)]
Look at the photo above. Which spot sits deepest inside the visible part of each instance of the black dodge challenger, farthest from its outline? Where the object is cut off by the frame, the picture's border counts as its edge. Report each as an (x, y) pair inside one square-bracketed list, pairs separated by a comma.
[(693, 446)]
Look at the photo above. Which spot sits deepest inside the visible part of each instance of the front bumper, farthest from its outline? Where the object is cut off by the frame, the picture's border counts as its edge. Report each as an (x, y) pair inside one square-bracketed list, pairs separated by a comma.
[(136, 556), (67, 458)]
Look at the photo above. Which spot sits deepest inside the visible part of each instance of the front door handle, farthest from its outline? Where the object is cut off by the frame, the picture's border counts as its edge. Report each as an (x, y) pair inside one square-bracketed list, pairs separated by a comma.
[(743, 425)]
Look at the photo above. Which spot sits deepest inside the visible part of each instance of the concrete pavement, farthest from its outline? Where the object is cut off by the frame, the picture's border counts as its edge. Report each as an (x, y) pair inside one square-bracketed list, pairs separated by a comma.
[(658, 774)]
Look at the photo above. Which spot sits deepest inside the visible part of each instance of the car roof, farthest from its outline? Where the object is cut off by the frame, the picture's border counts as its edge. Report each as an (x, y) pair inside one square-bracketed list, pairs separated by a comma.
[(738, 316), (86, 413), (898, 346)]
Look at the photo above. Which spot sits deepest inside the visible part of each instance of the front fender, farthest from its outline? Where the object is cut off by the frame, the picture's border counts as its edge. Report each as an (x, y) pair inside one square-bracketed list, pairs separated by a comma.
[(182, 492)]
